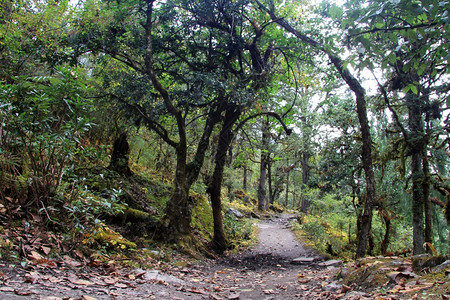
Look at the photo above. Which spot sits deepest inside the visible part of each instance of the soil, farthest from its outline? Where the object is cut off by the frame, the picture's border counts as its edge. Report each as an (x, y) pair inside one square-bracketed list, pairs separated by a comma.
[(279, 267)]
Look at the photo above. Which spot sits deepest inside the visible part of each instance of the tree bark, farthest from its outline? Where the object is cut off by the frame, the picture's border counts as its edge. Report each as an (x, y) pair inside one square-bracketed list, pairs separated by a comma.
[(265, 156), (415, 142), (305, 180), (226, 135), (244, 181), (270, 182), (286, 200)]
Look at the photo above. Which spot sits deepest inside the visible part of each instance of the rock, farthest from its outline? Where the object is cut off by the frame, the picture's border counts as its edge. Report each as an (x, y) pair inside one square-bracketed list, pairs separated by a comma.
[(334, 286), (303, 260), (344, 273), (235, 213), (156, 275), (427, 262), (331, 263), (444, 266)]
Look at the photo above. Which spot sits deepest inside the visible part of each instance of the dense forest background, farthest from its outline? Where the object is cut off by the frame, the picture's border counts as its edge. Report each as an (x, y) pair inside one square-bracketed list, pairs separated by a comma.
[(124, 123)]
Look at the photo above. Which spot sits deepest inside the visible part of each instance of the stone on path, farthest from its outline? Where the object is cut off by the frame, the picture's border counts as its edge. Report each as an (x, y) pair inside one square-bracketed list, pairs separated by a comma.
[(331, 263), (156, 275), (302, 260)]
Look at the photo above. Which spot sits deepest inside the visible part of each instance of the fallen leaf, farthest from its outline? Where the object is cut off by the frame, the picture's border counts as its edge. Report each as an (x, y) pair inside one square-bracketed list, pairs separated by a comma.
[(34, 256), (345, 288), (121, 285), (71, 262), (23, 293), (6, 289), (196, 291), (32, 277), (53, 279), (46, 249), (111, 280), (80, 281), (45, 263), (88, 297)]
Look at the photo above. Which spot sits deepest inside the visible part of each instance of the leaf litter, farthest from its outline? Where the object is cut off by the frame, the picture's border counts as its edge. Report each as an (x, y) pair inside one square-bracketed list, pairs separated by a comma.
[(265, 272)]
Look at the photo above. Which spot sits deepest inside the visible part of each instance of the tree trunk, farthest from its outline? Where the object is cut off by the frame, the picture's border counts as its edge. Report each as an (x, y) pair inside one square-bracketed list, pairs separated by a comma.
[(244, 183), (387, 233), (120, 156), (178, 211), (305, 179), (286, 200), (226, 135), (270, 182), (366, 217), (265, 156), (415, 142), (427, 201)]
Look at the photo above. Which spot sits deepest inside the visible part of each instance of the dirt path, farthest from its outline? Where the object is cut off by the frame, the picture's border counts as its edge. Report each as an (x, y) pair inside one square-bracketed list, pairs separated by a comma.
[(266, 272)]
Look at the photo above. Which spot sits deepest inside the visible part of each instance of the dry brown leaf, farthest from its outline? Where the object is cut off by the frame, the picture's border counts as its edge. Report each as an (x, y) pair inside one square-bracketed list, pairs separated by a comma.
[(88, 297), (53, 279), (121, 285), (71, 262), (80, 281), (6, 289), (23, 293), (45, 263), (345, 288), (35, 256), (46, 250), (32, 277), (196, 291), (111, 280)]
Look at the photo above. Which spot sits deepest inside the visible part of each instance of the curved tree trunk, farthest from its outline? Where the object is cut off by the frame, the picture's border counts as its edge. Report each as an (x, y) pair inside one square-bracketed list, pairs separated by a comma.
[(219, 242)]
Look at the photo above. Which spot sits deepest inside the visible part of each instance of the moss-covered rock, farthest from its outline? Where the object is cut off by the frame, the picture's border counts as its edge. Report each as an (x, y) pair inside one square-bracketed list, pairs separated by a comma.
[(426, 262), (105, 237)]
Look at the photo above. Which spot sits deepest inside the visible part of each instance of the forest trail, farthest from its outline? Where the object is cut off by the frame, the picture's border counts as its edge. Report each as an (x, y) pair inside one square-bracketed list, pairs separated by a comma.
[(265, 272)]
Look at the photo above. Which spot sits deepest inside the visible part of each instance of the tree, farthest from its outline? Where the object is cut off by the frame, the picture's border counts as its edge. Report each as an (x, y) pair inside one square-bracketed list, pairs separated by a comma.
[(360, 95), (168, 78), (406, 40)]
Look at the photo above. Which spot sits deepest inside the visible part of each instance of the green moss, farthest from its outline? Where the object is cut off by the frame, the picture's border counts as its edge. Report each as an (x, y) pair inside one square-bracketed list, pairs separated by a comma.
[(202, 219), (106, 237)]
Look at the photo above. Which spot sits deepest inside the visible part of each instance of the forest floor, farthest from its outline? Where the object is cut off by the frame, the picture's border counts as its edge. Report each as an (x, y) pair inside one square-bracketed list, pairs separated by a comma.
[(279, 267)]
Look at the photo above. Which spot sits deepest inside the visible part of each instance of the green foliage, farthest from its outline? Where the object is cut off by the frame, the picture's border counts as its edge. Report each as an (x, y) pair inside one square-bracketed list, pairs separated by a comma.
[(330, 226), (43, 121), (86, 208), (240, 232)]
